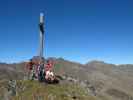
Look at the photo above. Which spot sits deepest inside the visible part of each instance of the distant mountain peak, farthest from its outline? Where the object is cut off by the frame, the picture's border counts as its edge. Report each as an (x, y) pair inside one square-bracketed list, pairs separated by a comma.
[(95, 62)]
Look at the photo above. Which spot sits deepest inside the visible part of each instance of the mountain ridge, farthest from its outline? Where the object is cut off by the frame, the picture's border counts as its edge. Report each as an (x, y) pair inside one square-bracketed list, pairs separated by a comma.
[(106, 80)]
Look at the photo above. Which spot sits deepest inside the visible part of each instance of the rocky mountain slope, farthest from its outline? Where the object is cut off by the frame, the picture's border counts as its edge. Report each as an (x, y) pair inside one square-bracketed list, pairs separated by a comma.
[(102, 81)]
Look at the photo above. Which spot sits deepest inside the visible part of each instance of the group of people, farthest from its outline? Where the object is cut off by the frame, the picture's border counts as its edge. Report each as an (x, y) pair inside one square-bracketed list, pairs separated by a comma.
[(40, 71)]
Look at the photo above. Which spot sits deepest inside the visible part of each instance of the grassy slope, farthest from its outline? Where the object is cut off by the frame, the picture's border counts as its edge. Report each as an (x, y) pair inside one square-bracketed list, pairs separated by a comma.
[(34, 90)]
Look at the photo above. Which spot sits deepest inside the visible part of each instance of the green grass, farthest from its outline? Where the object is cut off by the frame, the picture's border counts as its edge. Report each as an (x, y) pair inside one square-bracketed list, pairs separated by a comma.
[(33, 90)]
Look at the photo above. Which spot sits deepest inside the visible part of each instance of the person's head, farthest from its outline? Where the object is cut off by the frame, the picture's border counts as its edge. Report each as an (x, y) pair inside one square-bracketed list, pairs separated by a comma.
[(49, 61), (30, 60)]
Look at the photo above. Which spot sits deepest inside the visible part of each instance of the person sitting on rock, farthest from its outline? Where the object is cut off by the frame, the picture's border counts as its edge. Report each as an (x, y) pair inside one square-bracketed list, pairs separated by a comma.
[(49, 75), (48, 70)]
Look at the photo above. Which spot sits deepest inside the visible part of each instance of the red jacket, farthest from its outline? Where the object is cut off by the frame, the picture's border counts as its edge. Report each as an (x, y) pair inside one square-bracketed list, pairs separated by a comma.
[(48, 66)]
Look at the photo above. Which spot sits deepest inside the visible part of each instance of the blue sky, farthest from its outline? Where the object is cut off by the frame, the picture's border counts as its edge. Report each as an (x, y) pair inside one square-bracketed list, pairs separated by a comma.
[(77, 30)]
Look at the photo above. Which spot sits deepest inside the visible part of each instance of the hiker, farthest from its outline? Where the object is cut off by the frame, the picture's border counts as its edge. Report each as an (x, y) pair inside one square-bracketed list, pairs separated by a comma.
[(29, 68), (48, 70), (41, 72), (49, 75), (49, 65), (33, 72)]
